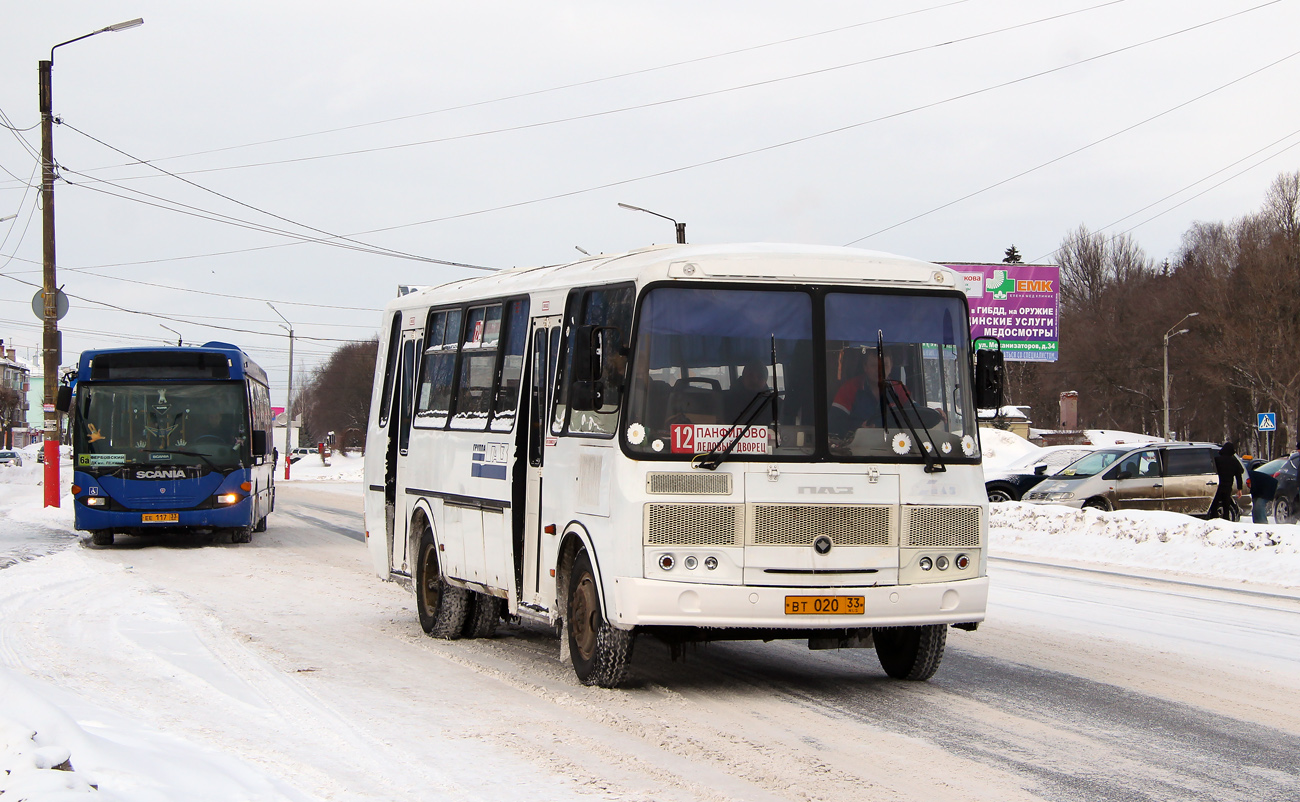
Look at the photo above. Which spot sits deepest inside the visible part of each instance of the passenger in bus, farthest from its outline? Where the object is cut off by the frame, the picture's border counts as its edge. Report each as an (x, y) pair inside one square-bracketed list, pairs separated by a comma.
[(753, 380), (857, 403)]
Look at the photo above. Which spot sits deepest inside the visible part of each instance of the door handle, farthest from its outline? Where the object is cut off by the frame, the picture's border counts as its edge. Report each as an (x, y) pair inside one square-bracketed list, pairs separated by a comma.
[(1157, 485), (1211, 484)]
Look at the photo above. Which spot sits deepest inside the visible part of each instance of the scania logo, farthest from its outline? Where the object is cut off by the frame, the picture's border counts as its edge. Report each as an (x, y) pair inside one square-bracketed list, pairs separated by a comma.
[(820, 491), (161, 473)]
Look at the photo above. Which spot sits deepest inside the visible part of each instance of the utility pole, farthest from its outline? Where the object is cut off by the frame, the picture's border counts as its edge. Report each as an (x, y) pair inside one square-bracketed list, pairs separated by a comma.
[(288, 402), (50, 352), (1168, 334)]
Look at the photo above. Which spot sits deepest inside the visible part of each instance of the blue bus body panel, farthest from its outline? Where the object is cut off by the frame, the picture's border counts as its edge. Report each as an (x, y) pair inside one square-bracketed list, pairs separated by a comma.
[(179, 496)]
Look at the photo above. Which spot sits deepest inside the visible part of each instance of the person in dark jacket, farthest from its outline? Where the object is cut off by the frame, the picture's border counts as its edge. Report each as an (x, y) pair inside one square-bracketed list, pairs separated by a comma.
[(1262, 489), (1230, 471)]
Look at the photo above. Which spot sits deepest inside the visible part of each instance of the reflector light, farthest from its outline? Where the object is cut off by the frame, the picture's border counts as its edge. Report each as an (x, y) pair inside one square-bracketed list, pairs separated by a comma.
[(926, 564), (667, 562), (690, 563), (75, 490), (247, 487), (941, 563)]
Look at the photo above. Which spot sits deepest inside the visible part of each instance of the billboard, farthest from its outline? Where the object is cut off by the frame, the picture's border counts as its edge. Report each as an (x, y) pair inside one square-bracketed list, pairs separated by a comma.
[(1017, 304)]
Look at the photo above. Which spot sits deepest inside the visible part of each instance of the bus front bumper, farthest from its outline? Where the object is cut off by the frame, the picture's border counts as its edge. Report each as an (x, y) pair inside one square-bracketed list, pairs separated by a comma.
[(89, 519), (651, 602)]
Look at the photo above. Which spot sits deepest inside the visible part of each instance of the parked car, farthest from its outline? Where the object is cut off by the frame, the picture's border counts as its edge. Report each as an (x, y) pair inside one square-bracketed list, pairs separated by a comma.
[(1010, 482), (11, 458), (1286, 499), (296, 454), (1175, 477)]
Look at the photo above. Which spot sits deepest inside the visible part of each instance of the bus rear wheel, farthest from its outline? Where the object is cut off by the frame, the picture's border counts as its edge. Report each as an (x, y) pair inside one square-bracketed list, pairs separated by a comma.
[(440, 606), (599, 651), (481, 620), (911, 653)]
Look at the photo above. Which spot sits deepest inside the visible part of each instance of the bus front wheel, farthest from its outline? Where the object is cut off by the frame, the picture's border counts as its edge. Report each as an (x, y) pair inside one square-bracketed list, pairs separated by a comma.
[(102, 537), (599, 651), (911, 653), (440, 606)]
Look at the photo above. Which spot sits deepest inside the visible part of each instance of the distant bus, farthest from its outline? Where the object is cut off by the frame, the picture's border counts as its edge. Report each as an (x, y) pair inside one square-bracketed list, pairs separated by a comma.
[(170, 440), (691, 442)]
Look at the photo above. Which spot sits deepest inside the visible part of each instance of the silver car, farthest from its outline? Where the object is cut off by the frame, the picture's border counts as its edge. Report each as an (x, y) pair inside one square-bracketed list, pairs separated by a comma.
[(1175, 477), (11, 458)]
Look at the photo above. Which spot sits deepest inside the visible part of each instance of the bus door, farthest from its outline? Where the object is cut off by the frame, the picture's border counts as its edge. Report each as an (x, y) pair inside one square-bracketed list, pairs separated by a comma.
[(404, 397), (538, 548)]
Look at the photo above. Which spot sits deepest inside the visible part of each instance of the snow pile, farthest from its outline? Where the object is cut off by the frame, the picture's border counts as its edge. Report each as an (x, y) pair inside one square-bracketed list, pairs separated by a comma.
[(342, 468), (55, 747), (1000, 447), (1145, 540)]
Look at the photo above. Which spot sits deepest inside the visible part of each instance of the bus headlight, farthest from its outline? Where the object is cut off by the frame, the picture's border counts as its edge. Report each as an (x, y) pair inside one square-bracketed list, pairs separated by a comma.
[(926, 563), (941, 562), (229, 498), (96, 501)]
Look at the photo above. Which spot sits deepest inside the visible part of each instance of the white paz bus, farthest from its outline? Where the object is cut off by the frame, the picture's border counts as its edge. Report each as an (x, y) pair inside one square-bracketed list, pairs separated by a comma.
[(694, 442)]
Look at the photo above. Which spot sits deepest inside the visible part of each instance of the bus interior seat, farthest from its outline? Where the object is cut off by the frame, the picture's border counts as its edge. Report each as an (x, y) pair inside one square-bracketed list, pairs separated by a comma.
[(697, 399), (656, 411)]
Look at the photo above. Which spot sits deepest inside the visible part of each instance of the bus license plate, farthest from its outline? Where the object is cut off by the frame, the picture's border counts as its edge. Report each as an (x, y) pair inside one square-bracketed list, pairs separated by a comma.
[(160, 518), (825, 605)]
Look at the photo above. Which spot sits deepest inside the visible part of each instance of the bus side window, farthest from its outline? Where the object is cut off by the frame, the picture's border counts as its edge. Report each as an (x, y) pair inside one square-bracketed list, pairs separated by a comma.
[(512, 367), (390, 369), (438, 374)]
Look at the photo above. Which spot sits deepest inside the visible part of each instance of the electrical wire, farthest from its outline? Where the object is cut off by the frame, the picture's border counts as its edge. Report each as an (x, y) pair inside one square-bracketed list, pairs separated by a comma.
[(1077, 150)]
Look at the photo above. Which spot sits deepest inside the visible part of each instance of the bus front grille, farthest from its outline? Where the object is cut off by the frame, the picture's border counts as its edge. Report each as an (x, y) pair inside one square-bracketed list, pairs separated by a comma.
[(694, 524), (688, 484), (801, 524), (941, 527)]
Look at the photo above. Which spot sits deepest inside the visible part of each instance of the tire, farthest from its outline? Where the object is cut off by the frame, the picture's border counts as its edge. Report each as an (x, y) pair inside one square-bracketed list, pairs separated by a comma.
[(911, 653), (103, 537), (600, 652), (241, 534), (1000, 493), (481, 619), (1284, 511), (1098, 504), (440, 606), (260, 526)]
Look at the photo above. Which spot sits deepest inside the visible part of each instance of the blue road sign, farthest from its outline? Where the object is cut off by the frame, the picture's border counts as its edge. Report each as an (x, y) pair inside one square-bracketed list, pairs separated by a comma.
[(1267, 422)]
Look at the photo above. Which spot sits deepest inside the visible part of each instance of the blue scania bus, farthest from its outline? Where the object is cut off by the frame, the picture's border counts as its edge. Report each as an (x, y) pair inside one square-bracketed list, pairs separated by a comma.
[(171, 440)]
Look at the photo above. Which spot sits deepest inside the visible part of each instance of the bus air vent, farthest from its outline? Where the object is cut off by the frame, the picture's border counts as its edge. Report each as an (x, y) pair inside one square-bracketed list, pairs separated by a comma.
[(941, 527), (694, 524), (688, 484), (844, 524)]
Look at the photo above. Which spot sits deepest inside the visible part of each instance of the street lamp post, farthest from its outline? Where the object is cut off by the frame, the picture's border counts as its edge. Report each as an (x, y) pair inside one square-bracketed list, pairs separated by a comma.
[(288, 401), (179, 339), (681, 227), (50, 352), (1169, 334)]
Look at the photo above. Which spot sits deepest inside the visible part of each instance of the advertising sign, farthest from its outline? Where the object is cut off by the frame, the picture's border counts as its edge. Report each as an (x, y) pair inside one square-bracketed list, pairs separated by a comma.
[(1017, 304)]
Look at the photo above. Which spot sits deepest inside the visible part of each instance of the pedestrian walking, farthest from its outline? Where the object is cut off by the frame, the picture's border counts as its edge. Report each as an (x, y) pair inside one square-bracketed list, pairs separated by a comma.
[(1230, 472), (1263, 488)]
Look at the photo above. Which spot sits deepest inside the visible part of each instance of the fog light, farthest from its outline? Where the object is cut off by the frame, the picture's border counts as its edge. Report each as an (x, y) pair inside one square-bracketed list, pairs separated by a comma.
[(96, 501), (228, 498), (711, 563), (667, 562), (690, 563), (926, 564), (941, 563), (962, 562)]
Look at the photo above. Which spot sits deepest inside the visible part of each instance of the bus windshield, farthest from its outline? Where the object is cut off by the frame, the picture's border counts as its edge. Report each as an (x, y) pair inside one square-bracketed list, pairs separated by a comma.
[(149, 424), (705, 359)]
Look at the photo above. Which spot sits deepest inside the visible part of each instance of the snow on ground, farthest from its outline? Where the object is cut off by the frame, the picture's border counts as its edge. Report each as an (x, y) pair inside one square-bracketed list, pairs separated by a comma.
[(57, 746)]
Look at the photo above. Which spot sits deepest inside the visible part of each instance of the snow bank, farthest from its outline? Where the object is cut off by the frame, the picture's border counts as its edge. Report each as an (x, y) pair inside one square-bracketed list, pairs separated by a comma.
[(1149, 541), (55, 746), (342, 468)]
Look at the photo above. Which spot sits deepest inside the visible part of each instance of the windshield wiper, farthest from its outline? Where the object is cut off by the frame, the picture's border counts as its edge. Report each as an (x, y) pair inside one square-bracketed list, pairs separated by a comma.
[(895, 405), (714, 458)]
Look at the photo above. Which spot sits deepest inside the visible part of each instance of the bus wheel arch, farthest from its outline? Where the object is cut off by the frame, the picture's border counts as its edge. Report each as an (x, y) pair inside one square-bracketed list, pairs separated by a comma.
[(600, 651), (441, 607)]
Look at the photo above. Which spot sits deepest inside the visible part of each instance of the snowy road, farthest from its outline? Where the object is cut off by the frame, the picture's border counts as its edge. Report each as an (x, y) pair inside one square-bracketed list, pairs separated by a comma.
[(290, 656)]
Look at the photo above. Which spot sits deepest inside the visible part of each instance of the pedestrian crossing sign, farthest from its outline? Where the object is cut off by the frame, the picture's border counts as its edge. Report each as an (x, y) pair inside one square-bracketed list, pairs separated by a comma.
[(1267, 422)]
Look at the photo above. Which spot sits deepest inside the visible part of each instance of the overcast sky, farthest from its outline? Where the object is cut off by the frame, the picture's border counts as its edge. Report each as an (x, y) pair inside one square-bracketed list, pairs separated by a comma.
[(505, 133)]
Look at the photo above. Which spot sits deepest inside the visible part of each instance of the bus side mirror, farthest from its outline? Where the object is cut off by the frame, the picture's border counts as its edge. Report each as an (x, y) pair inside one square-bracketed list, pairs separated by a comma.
[(63, 401), (988, 379), (259, 442), (1040, 470)]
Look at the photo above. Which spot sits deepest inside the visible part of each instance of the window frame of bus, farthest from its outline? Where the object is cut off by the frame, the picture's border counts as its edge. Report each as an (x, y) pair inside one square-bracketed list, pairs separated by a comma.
[(390, 371), (821, 399), (575, 306), (457, 349)]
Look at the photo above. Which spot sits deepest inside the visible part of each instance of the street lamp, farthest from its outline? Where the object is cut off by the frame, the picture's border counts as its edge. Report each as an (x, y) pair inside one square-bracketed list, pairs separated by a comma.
[(288, 401), (50, 351), (173, 331), (7, 217), (1168, 334), (681, 227)]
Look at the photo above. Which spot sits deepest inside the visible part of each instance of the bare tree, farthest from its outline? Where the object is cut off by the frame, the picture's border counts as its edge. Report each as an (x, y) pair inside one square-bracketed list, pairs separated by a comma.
[(337, 397)]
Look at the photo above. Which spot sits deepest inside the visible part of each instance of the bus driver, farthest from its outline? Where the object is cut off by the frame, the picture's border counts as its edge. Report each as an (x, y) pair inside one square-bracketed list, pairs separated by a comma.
[(857, 403)]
